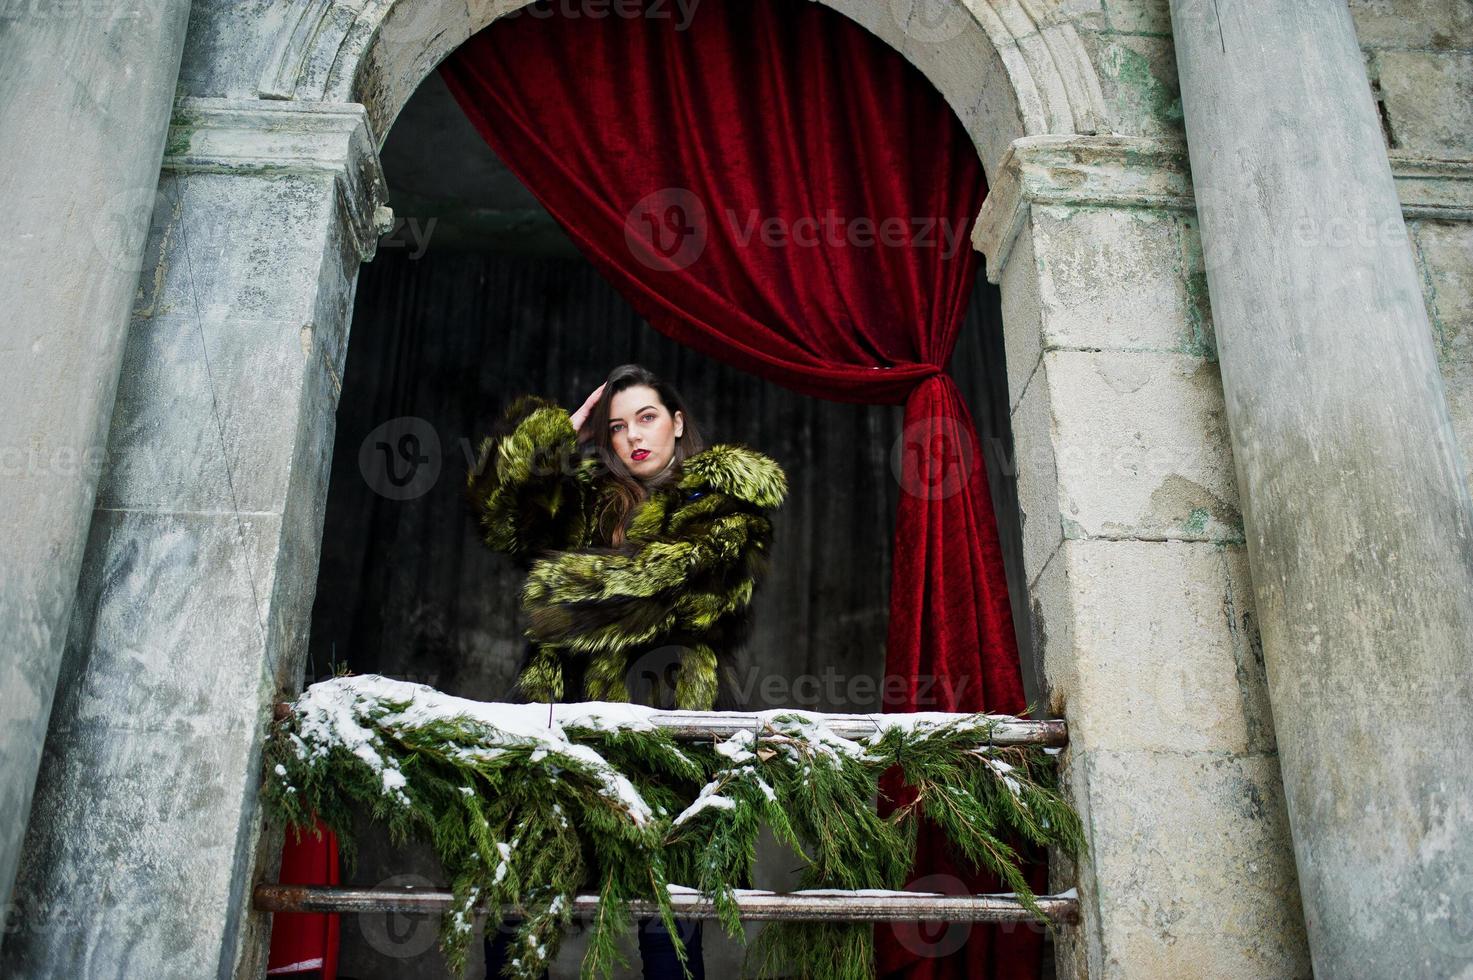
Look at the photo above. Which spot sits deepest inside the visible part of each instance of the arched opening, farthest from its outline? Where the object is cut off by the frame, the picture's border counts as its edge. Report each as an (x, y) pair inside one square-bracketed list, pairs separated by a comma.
[(476, 296)]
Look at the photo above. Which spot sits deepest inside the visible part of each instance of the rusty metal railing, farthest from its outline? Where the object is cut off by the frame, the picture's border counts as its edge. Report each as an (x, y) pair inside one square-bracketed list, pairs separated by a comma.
[(831, 905)]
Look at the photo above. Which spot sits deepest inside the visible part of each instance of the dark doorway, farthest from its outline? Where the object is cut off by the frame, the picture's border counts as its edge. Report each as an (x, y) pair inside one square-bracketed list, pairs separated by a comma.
[(477, 296)]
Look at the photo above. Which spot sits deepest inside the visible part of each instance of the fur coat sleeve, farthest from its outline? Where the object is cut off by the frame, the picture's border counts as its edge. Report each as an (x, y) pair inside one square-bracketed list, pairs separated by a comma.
[(697, 552), (529, 488)]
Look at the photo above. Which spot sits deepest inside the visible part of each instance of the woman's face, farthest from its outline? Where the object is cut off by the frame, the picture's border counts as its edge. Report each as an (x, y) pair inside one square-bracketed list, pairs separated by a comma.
[(641, 431)]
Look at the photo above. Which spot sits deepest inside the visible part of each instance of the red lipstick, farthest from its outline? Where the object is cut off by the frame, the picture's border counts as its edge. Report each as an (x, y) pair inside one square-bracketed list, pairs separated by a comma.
[(639, 454)]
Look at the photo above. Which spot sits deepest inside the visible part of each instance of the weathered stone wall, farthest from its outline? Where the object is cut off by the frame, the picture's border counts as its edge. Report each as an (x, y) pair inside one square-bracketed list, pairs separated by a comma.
[(1142, 607), (84, 108), (1130, 44), (1419, 56), (1132, 541)]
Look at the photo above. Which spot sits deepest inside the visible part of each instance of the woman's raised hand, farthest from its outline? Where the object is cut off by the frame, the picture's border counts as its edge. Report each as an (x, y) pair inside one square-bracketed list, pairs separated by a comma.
[(581, 416)]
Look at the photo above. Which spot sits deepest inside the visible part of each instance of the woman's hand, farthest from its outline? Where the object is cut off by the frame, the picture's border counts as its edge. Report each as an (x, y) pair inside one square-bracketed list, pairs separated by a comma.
[(581, 416)]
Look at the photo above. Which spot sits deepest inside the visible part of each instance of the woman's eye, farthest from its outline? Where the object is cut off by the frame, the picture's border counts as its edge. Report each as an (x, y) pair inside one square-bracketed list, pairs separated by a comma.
[(615, 428), (650, 417)]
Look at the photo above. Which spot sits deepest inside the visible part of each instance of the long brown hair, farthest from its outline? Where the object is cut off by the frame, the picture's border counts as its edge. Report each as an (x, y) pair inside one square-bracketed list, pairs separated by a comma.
[(626, 491)]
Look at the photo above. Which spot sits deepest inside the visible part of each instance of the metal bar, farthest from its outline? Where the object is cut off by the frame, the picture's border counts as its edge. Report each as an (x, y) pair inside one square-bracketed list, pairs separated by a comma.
[(697, 725), (694, 725), (756, 906)]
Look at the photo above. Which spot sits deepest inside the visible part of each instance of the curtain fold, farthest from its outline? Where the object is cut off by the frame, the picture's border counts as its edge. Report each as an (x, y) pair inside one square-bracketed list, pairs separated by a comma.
[(771, 185)]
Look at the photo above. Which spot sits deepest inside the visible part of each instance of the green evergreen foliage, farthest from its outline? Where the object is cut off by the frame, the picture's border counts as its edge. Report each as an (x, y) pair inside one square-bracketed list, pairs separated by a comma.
[(526, 809)]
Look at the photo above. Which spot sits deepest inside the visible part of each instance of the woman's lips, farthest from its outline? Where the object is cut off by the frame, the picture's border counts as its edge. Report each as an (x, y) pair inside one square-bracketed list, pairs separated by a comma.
[(639, 454)]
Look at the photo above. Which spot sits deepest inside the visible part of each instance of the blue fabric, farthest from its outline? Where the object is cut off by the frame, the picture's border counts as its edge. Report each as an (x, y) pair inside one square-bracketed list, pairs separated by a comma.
[(657, 951)]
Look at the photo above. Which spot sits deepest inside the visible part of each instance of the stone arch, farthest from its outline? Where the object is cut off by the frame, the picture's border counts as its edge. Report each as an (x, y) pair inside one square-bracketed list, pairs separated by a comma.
[(1008, 68)]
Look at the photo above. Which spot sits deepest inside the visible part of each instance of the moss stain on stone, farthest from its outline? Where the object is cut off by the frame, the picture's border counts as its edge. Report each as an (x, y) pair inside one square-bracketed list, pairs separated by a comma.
[(1196, 521), (1133, 71)]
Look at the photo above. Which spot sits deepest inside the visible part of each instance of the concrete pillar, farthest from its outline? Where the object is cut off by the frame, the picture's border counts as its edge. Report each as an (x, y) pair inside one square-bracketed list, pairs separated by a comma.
[(201, 565), (85, 97), (1358, 521), (1137, 578)]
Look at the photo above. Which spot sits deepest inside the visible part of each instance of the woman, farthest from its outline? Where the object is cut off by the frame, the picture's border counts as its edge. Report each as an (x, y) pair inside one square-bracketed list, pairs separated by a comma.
[(643, 548)]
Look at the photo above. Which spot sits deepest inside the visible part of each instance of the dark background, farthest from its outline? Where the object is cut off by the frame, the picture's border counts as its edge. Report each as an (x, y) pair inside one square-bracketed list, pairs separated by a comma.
[(477, 296)]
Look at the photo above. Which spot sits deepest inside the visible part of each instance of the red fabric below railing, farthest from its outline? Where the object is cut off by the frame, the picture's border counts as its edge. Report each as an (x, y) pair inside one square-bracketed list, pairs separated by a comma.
[(304, 943)]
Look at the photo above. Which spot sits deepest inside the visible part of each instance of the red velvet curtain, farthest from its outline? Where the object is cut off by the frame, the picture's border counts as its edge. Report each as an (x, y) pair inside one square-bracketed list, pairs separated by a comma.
[(770, 184), (306, 943)]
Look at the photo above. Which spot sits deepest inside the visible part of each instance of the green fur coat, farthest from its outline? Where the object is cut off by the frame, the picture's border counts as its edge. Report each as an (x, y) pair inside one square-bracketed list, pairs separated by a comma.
[(679, 589)]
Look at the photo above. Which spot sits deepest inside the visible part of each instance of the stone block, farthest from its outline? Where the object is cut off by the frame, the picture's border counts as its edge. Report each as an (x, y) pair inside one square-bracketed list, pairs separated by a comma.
[(1163, 649), (126, 825), (215, 62), (415, 38), (1412, 23), (1139, 16), (1457, 380), (1138, 81), (1051, 601), (168, 627), (1034, 439), (190, 386), (1142, 447), (1202, 338), (1429, 98), (1192, 870), (1111, 279), (1083, 14), (1445, 258), (1022, 315), (304, 512), (238, 246)]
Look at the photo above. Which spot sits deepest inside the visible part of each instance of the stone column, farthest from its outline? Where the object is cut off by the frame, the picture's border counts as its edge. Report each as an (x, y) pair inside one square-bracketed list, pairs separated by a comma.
[(1137, 578), (197, 584), (84, 105), (1358, 521)]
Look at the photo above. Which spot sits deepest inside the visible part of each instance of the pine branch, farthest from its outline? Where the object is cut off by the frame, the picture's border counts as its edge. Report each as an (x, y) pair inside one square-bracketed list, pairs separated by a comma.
[(524, 813)]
